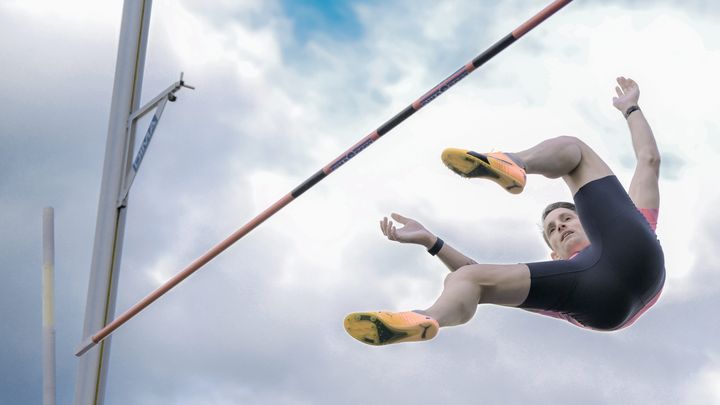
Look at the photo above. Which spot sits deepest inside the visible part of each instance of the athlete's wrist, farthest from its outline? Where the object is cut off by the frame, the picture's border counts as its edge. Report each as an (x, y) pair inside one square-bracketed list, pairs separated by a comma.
[(629, 110), (429, 241), (435, 248)]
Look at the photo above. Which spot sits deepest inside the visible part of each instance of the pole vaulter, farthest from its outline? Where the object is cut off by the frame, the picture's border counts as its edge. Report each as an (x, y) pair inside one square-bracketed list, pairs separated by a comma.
[(92, 340)]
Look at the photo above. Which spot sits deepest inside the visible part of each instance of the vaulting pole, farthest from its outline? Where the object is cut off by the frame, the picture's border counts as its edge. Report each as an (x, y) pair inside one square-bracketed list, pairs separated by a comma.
[(353, 151)]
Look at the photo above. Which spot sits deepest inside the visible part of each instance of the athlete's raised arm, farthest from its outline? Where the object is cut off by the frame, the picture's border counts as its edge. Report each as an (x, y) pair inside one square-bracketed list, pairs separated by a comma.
[(644, 189), (414, 232)]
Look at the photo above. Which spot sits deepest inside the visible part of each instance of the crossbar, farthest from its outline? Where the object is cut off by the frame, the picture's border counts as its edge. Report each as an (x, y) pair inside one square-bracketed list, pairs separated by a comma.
[(353, 151)]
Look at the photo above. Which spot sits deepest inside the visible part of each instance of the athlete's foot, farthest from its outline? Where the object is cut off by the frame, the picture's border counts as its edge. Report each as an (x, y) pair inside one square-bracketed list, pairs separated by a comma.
[(382, 328), (496, 166)]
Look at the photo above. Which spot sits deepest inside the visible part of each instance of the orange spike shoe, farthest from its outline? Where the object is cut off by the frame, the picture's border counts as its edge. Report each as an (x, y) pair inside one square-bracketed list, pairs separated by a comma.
[(382, 328), (495, 166)]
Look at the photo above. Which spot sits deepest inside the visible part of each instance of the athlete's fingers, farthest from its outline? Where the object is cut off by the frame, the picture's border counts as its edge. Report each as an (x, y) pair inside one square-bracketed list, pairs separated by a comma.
[(393, 235), (618, 91), (383, 226), (401, 219)]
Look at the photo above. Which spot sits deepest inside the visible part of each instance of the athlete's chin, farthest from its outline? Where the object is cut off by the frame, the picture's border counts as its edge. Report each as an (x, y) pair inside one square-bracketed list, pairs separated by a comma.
[(575, 244)]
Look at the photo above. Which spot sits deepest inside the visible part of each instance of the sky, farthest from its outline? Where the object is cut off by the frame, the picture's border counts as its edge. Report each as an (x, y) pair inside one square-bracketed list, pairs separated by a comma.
[(282, 88)]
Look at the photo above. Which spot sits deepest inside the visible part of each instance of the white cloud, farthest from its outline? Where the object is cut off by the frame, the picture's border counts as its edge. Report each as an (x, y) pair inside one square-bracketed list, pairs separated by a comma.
[(74, 15), (703, 387)]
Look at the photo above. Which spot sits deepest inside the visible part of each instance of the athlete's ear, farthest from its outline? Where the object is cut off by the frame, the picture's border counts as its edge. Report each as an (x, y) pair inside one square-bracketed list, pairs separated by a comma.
[(554, 255)]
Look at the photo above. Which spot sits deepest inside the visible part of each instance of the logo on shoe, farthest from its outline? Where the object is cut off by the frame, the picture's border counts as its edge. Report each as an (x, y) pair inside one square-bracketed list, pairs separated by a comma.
[(425, 329)]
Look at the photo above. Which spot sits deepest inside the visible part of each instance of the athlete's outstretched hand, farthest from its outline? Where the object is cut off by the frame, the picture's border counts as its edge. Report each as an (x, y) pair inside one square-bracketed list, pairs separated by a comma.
[(411, 232), (628, 94)]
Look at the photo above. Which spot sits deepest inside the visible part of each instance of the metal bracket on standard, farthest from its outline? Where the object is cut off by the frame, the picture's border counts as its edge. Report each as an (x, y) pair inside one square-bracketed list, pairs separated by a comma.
[(84, 346), (159, 104)]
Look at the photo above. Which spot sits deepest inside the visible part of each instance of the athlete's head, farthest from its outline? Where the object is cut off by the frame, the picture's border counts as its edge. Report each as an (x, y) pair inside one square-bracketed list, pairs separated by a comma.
[(562, 230)]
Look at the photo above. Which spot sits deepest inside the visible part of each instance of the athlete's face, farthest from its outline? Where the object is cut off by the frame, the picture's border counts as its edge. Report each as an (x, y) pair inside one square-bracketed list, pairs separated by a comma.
[(565, 233)]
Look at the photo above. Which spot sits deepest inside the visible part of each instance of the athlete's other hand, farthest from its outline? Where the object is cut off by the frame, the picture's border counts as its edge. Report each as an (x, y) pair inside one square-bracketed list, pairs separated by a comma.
[(411, 232), (628, 94)]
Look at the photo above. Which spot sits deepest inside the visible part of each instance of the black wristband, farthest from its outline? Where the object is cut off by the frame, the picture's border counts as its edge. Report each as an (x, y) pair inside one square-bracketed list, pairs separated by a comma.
[(436, 247), (630, 110)]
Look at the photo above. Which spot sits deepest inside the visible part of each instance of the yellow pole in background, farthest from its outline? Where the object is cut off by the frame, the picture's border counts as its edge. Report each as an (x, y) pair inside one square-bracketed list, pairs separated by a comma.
[(48, 311)]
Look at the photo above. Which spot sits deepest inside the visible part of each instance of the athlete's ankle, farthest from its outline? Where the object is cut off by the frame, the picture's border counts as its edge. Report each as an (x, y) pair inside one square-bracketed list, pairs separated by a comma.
[(437, 317), (517, 160)]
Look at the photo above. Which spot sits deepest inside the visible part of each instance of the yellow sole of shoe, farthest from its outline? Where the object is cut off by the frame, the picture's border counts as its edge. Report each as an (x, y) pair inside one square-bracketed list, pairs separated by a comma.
[(372, 329), (468, 166), (459, 161)]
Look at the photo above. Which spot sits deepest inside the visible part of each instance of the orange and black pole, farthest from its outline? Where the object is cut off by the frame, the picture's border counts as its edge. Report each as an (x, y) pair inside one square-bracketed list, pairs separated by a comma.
[(353, 151)]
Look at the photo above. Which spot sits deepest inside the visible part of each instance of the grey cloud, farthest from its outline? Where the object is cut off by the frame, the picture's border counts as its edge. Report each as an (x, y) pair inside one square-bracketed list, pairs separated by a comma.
[(705, 273), (673, 165), (50, 131), (672, 168)]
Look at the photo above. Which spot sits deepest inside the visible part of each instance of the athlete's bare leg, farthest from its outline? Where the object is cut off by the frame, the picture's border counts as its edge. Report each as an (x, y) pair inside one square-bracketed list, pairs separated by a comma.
[(475, 284), (566, 157)]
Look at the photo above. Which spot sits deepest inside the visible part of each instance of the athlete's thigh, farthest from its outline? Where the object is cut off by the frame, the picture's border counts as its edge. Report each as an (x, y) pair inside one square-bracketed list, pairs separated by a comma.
[(502, 284), (591, 167)]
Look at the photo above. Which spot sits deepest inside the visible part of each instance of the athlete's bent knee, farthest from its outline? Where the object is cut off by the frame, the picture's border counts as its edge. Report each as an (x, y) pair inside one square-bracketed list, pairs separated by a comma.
[(479, 274), (569, 139)]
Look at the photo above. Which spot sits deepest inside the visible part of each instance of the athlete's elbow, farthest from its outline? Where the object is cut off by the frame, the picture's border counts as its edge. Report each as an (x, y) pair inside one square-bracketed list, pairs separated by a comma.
[(649, 159)]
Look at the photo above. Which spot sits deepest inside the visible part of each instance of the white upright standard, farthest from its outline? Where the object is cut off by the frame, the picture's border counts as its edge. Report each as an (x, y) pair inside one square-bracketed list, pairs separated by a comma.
[(110, 225)]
